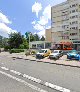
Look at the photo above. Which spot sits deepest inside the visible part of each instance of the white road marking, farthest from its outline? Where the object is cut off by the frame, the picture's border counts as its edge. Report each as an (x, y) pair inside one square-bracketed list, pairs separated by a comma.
[(58, 88), (61, 89), (15, 72), (24, 82), (4, 68), (32, 78)]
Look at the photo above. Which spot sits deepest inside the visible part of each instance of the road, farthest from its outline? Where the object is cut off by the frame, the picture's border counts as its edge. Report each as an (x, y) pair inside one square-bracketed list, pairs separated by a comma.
[(10, 81)]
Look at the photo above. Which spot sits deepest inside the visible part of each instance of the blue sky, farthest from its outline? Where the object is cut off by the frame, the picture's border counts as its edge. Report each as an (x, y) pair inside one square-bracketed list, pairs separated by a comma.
[(25, 15)]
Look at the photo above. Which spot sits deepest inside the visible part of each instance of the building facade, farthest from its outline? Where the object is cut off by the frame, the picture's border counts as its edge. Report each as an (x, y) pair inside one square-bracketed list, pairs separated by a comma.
[(40, 44), (48, 33), (65, 20)]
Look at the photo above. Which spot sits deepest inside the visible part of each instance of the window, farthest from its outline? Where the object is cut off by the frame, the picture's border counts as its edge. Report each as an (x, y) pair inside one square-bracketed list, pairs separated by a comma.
[(65, 26), (73, 17), (33, 45), (76, 16), (74, 22), (73, 5), (74, 28), (73, 11), (73, 34)]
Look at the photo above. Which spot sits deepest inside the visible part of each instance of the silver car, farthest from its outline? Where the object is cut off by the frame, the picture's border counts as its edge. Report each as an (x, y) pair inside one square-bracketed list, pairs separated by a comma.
[(56, 54)]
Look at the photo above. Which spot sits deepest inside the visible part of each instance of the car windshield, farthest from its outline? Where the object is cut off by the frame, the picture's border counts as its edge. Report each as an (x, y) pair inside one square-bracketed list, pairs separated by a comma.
[(74, 51), (41, 51)]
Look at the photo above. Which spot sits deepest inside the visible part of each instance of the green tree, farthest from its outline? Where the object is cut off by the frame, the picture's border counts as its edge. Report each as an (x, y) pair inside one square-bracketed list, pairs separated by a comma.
[(36, 37), (32, 38), (25, 43), (15, 39), (1, 40), (4, 42), (42, 38)]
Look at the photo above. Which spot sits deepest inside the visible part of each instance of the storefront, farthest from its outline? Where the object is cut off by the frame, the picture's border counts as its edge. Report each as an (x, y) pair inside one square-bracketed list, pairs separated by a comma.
[(40, 44), (63, 45)]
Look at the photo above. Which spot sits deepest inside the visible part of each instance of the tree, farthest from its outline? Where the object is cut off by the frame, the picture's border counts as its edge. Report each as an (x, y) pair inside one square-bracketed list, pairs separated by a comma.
[(1, 40), (15, 39), (36, 37), (25, 44), (42, 38), (4, 42), (31, 36)]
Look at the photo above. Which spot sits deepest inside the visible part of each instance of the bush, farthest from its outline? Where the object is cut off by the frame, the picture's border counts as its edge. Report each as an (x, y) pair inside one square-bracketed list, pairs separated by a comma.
[(21, 46), (28, 53), (16, 50), (6, 48)]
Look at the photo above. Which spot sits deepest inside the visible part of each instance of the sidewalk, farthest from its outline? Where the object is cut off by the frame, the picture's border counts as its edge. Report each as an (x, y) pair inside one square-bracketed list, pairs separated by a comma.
[(62, 61)]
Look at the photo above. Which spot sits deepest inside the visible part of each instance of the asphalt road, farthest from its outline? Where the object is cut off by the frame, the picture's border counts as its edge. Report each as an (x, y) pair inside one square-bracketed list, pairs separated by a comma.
[(63, 76), (8, 84)]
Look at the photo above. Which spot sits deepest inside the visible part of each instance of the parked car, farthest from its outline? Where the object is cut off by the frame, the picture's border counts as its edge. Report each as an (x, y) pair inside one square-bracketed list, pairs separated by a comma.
[(56, 54), (73, 55), (43, 53)]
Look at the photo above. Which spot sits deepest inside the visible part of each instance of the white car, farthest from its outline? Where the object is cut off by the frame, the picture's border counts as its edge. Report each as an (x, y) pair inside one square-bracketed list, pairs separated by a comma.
[(56, 54)]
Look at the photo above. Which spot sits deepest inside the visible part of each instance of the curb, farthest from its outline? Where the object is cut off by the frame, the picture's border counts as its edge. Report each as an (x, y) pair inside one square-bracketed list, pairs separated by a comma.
[(48, 62)]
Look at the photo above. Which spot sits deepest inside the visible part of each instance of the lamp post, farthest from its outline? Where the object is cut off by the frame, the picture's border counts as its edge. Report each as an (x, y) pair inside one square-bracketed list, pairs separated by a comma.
[(29, 41)]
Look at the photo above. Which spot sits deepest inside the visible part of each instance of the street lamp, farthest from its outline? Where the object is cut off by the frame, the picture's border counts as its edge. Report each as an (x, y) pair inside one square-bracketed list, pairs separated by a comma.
[(29, 41)]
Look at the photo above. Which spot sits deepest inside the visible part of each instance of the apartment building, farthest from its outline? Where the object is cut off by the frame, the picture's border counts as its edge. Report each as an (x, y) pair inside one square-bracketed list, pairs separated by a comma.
[(65, 20)]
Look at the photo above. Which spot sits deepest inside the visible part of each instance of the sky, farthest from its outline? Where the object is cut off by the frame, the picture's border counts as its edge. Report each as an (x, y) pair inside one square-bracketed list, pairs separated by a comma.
[(26, 16)]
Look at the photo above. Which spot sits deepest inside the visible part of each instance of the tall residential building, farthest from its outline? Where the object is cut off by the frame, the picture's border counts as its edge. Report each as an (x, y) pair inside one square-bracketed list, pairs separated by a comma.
[(65, 19)]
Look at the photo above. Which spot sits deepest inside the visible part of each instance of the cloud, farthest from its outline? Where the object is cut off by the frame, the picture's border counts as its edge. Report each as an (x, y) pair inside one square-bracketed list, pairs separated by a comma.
[(4, 19), (42, 23), (47, 12), (34, 22), (5, 30), (36, 8), (48, 27), (41, 33), (38, 27), (43, 20)]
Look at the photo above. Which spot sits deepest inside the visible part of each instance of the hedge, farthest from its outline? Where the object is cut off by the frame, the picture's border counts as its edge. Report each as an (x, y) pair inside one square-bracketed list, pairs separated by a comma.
[(16, 50)]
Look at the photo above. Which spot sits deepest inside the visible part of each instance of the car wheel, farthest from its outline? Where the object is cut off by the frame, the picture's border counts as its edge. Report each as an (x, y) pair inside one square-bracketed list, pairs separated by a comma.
[(78, 59), (67, 57), (57, 57), (36, 57)]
